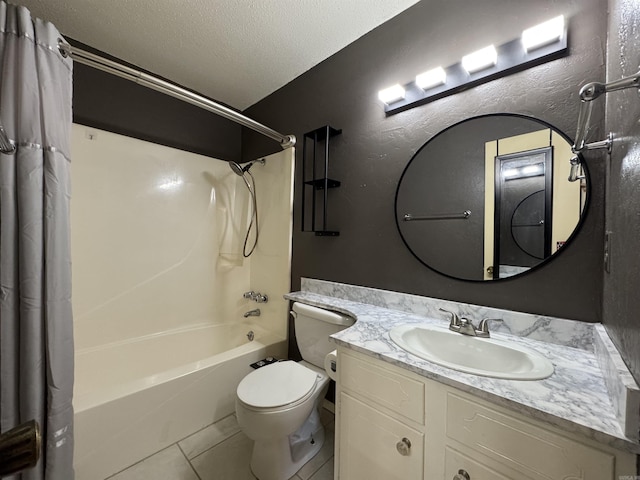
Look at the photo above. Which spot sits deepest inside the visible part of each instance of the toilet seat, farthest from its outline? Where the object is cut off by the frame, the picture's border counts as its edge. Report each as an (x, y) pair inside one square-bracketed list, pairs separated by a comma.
[(276, 385)]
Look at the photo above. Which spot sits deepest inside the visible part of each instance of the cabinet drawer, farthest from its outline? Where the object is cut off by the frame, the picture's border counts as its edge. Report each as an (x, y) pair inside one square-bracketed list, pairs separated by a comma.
[(537, 453), (456, 461), (383, 386), (368, 445)]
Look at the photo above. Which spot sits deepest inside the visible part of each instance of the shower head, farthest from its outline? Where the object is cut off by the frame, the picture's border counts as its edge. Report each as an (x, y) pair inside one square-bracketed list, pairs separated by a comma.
[(237, 169), (240, 170), (575, 169)]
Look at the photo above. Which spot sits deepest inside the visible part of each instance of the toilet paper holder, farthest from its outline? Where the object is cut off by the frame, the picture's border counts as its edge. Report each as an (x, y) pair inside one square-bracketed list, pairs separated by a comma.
[(331, 364)]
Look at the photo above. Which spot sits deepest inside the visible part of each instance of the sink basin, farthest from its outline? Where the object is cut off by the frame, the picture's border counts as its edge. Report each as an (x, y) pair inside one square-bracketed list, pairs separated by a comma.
[(480, 356)]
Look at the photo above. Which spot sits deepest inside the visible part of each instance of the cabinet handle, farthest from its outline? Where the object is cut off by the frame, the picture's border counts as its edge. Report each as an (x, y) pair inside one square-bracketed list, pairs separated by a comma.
[(462, 475), (404, 446)]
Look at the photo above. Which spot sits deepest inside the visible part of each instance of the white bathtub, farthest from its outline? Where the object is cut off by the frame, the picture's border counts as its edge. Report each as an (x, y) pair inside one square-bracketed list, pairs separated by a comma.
[(136, 397)]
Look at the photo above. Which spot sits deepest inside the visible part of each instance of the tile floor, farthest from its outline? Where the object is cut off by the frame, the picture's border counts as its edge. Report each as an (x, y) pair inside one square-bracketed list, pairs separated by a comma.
[(222, 452)]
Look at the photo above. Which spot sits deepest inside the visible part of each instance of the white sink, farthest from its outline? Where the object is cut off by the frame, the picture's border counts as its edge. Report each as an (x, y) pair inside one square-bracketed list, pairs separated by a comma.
[(480, 356)]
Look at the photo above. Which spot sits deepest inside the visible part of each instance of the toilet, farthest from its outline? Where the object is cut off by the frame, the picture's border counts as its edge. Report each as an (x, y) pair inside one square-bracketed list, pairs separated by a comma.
[(278, 406)]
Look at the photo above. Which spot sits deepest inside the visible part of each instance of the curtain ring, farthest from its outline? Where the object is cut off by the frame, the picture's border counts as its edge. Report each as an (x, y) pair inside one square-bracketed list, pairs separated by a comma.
[(64, 48)]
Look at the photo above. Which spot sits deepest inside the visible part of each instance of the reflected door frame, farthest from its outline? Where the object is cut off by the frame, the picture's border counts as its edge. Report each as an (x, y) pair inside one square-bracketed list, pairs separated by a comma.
[(499, 181), (504, 146)]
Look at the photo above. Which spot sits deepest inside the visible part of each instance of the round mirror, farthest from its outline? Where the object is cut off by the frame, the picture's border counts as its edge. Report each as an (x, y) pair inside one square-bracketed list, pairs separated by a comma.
[(489, 197)]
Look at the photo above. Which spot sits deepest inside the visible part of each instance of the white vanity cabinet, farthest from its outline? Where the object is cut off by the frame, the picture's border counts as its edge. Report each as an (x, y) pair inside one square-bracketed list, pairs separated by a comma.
[(381, 422), (379, 445), (394, 424)]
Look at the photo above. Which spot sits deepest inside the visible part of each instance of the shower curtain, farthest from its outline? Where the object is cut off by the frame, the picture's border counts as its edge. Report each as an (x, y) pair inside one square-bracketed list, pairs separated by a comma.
[(36, 329)]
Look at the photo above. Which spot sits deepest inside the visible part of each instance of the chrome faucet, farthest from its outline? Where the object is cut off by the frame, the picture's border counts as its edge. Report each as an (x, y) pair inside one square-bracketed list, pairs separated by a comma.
[(256, 296), (483, 326), (465, 326), (252, 313), (454, 324)]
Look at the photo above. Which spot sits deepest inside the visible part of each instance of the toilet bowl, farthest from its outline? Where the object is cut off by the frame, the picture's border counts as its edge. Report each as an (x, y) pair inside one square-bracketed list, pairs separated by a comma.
[(285, 424), (278, 405)]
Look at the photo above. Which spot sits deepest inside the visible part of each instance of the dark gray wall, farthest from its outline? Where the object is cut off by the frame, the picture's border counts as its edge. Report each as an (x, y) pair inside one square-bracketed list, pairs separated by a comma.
[(373, 150), (621, 312), (104, 101)]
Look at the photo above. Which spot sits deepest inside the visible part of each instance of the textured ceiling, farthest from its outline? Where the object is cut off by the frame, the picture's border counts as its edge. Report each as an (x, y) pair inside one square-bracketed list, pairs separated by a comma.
[(235, 51)]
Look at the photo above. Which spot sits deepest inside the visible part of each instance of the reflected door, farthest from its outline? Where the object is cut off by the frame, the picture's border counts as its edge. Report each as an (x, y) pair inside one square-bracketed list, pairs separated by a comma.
[(522, 223)]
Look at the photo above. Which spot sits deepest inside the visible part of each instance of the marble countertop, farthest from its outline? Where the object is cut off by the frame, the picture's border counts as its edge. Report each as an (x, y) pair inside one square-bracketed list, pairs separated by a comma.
[(574, 398)]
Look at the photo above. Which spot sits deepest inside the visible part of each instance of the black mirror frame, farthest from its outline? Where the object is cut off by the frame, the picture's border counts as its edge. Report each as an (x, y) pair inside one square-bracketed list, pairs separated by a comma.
[(544, 262)]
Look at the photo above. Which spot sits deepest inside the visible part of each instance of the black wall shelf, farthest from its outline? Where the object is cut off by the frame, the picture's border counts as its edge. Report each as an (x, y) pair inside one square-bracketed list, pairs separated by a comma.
[(319, 184), (314, 210)]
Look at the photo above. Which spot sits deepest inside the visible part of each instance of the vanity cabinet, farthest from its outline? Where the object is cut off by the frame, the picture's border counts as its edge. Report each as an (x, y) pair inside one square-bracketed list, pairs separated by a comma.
[(382, 423), (379, 445), (394, 424)]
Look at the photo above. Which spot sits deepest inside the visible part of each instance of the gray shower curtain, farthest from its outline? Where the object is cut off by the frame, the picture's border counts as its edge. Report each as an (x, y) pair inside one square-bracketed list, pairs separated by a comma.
[(36, 329)]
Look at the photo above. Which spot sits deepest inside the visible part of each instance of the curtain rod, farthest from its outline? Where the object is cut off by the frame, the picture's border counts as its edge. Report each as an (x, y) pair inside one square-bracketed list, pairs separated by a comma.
[(171, 89)]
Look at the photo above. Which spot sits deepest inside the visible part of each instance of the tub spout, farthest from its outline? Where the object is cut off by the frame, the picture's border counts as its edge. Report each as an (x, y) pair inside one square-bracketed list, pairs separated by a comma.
[(252, 313)]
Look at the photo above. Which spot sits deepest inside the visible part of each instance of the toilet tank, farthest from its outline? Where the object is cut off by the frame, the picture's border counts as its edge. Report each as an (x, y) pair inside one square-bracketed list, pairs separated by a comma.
[(313, 326)]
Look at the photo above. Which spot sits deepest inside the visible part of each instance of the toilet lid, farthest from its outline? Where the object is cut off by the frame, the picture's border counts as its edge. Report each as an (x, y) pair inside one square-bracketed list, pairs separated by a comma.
[(276, 385)]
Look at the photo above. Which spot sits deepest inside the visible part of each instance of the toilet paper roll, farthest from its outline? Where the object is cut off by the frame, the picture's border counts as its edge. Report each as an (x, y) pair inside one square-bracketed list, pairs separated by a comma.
[(330, 363)]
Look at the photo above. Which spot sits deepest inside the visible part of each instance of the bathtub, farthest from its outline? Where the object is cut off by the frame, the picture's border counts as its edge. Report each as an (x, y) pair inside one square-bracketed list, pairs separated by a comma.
[(136, 397)]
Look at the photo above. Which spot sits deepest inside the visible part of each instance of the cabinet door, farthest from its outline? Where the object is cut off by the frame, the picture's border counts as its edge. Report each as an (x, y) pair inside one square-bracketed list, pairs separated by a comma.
[(369, 445)]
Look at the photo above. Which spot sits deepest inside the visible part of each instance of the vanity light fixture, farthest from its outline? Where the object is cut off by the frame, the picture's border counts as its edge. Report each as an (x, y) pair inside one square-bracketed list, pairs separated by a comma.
[(432, 78), (523, 172), (537, 45), (537, 169), (543, 34), (511, 172), (392, 94), (480, 60)]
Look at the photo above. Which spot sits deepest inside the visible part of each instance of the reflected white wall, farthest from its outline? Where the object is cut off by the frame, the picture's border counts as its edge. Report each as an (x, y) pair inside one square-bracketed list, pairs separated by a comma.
[(157, 238)]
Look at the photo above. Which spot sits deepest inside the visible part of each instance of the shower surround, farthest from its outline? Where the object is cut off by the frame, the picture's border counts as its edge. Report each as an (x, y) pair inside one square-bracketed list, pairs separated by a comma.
[(158, 277)]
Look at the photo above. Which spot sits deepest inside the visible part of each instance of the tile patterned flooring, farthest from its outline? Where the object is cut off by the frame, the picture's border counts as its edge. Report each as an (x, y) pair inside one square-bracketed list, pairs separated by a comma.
[(222, 452)]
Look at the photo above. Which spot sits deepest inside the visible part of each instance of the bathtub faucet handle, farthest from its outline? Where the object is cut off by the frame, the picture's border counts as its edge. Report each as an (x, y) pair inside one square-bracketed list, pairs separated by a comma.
[(260, 298), (256, 296)]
